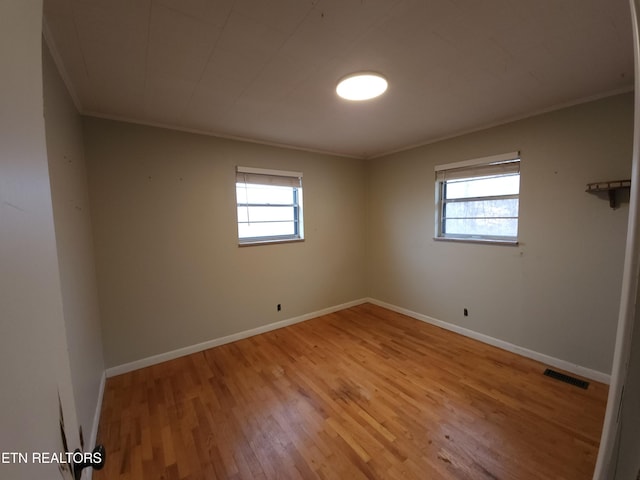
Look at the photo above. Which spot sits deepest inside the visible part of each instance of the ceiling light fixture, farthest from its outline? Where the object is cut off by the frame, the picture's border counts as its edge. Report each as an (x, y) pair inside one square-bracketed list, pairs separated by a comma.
[(361, 86)]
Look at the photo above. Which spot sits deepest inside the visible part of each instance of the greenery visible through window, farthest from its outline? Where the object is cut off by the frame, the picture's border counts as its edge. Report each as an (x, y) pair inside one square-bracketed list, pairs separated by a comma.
[(269, 205), (479, 199)]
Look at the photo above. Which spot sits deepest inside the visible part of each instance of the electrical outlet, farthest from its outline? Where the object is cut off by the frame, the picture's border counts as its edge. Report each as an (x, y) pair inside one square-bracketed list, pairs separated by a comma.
[(279, 307), (466, 312)]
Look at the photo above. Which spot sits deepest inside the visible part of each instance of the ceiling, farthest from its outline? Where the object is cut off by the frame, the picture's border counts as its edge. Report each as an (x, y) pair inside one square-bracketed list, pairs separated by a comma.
[(266, 70)]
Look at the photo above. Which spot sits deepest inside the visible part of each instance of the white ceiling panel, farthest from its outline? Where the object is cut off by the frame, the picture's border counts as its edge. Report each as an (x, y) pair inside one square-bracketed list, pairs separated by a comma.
[(245, 47), (267, 70), (282, 15), (166, 98), (60, 31), (352, 18), (219, 93), (214, 12), (113, 47), (178, 45)]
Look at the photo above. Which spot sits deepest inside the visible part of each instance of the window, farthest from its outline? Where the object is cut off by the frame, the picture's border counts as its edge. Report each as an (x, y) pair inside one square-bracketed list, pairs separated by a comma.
[(479, 199), (269, 204)]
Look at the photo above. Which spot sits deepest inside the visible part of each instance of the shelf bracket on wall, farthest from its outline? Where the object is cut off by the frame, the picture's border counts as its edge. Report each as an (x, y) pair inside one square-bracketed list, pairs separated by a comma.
[(612, 188)]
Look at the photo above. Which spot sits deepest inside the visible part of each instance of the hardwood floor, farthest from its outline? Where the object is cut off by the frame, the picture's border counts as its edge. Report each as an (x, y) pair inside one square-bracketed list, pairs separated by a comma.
[(363, 393)]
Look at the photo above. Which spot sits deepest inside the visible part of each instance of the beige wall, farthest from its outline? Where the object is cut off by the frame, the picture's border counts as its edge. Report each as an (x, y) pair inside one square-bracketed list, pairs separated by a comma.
[(34, 365), (74, 241), (557, 293), (170, 272)]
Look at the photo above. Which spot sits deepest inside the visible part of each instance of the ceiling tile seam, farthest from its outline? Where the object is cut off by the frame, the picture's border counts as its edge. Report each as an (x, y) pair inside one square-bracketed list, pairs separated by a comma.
[(381, 20), (188, 103), (222, 136), (314, 3), (375, 25), (553, 108), (180, 12), (372, 27), (57, 60), (82, 53), (146, 56)]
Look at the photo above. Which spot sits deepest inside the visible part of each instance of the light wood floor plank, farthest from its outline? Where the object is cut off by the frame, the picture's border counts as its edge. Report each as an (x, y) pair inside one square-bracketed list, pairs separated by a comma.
[(364, 393)]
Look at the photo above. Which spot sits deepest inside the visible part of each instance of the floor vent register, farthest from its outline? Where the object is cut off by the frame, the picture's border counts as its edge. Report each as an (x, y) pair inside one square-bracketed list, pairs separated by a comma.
[(566, 378)]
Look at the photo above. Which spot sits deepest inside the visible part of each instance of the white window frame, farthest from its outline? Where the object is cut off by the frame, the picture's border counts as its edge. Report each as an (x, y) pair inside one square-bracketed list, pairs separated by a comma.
[(503, 164), (262, 176)]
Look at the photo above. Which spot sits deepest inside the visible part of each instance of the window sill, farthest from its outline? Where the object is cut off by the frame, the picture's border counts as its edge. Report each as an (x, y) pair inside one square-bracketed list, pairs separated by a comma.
[(486, 241), (254, 243)]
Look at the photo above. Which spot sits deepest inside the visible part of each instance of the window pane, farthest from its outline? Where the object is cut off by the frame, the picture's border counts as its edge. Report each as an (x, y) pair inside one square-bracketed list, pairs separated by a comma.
[(265, 214), (268, 211), (482, 227), (483, 186), (256, 230), (482, 208), (266, 194)]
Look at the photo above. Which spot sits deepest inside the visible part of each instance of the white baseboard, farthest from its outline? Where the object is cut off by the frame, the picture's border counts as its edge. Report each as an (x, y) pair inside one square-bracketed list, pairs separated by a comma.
[(88, 472), (510, 347), (180, 352)]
